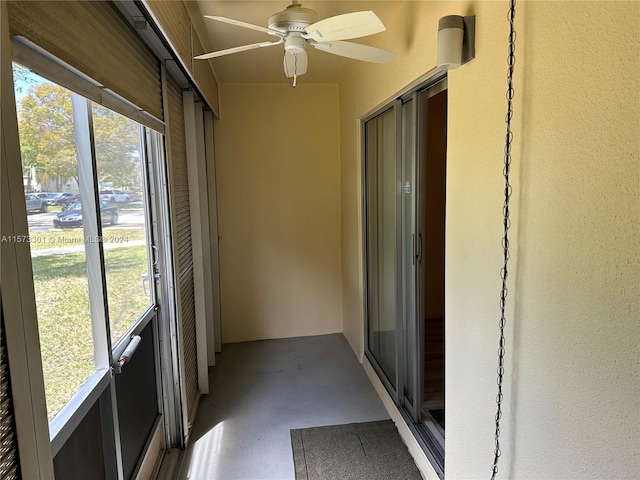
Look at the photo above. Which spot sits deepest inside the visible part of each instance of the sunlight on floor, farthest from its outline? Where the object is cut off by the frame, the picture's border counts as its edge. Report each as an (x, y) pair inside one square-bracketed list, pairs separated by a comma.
[(206, 453)]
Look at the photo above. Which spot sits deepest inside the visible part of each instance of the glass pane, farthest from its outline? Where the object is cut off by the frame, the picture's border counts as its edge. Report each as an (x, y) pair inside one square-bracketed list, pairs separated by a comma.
[(123, 212), (50, 174), (382, 191), (408, 260)]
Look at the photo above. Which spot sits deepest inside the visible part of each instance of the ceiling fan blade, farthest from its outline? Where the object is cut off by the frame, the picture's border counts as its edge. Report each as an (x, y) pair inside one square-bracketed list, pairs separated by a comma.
[(295, 64), (251, 26), (342, 27), (356, 51), (242, 48)]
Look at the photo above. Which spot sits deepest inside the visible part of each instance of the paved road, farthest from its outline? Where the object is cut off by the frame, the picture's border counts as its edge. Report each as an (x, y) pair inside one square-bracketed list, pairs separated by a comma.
[(43, 222)]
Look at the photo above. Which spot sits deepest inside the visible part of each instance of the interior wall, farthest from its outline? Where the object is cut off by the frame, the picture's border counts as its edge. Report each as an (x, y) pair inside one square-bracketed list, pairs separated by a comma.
[(572, 391), (278, 168)]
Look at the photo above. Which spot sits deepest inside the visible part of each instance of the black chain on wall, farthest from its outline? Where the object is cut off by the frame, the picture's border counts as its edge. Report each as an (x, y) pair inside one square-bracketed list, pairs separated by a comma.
[(505, 239)]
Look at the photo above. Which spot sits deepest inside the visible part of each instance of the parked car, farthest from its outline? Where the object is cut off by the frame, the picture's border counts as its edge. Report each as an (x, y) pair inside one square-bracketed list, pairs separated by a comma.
[(35, 204), (58, 198), (67, 202), (115, 196), (72, 217), (51, 198), (135, 196)]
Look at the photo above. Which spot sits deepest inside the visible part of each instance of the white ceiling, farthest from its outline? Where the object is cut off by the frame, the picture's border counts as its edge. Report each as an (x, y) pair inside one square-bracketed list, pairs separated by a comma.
[(264, 65)]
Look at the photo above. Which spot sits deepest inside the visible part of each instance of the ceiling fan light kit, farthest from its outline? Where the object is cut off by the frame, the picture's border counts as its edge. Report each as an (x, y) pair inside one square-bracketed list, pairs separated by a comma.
[(298, 27)]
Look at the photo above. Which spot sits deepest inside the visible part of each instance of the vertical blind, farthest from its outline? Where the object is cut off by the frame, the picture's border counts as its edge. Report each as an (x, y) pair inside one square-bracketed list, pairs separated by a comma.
[(182, 235)]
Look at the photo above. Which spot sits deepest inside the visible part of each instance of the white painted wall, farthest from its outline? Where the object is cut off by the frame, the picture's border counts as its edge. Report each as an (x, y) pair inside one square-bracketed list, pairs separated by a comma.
[(572, 406)]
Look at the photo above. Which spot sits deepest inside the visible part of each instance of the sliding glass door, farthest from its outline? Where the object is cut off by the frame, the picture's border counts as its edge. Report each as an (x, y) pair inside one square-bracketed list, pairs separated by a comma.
[(404, 182)]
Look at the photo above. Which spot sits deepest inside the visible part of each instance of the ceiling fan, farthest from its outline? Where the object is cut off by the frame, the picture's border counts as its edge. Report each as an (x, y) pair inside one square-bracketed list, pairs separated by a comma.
[(296, 27)]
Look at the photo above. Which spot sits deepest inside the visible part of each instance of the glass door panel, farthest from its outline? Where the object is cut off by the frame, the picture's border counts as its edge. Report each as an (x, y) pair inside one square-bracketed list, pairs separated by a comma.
[(408, 263), (124, 216), (122, 158), (381, 241)]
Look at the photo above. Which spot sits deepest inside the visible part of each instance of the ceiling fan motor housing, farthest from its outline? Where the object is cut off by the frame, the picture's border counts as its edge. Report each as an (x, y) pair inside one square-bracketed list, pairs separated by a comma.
[(294, 19), (294, 43)]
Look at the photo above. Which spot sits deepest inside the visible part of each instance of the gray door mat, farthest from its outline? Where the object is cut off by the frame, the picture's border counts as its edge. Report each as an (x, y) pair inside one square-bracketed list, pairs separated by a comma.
[(367, 451)]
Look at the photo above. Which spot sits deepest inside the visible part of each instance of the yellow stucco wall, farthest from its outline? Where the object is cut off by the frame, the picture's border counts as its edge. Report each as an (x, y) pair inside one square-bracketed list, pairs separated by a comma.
[(291, 252), (572, 392), (278, 176)]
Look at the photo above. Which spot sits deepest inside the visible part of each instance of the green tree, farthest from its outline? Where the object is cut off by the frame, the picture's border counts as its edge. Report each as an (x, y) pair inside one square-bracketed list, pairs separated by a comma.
[(117, 147), (46, 133), (48, 143)]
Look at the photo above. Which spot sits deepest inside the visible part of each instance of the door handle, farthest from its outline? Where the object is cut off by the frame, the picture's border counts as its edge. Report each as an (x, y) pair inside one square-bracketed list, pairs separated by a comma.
[(128, 352)]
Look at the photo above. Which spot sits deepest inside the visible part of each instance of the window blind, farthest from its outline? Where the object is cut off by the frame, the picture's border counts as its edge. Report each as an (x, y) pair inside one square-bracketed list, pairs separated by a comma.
[(182, 235), (95, 39)]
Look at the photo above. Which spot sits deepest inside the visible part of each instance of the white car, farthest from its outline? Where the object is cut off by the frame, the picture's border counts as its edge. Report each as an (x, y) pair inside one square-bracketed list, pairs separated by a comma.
[(115, 196)]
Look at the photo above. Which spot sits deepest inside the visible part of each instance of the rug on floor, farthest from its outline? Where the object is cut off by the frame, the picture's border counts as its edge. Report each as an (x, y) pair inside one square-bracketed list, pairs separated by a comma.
[(367, 451)]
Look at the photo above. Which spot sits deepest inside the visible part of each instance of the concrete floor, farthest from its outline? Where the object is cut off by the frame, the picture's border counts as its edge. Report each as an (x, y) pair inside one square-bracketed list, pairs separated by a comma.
[(260, 390)]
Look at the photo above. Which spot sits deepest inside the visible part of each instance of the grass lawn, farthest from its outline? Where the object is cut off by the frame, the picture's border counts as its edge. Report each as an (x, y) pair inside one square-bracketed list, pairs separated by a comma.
[(64, 316), (75, 236)]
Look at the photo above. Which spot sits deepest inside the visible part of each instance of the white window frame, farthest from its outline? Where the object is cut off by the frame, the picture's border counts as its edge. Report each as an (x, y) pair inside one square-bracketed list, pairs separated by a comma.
[(21, 327), (39, 440)]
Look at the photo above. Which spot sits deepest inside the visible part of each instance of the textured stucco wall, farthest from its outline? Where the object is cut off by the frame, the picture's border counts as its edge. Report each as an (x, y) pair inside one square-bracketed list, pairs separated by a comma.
[(572, 407), (279, 211)]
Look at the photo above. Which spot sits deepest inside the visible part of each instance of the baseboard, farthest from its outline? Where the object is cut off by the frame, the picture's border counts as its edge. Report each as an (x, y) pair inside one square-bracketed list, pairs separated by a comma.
[(422, 462), (192, 416)]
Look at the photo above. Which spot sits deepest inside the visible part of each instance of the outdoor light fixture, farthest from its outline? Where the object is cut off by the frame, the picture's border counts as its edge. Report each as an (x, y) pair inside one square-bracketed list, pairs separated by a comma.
[(456, 41)]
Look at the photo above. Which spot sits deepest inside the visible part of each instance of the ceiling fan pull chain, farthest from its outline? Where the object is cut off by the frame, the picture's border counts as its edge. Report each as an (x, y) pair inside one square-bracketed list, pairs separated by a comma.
[(505, 238), (295, 70)]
